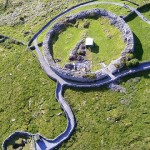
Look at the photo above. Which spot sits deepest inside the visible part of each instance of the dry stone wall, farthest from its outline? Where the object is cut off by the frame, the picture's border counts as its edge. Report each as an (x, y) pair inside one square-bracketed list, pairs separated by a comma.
[(117, 21)]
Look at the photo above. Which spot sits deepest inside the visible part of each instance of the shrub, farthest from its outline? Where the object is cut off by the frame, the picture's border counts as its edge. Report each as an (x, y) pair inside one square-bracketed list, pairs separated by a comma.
[(129, 56), (123, 61), (132, 62)]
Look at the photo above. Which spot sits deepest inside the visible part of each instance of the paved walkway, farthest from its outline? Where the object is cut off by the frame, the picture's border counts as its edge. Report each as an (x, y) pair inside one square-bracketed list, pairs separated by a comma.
[(106, 70)]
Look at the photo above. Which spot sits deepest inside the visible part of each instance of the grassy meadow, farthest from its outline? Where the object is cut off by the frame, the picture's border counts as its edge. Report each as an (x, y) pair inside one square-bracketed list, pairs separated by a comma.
[(105, 119)]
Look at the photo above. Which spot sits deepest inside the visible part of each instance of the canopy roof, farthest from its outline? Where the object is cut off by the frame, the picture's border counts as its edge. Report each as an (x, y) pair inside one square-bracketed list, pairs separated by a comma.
[(89, 41)]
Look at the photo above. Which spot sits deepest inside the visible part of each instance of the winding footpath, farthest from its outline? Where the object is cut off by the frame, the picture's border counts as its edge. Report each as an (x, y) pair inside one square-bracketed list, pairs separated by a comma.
[(49, 144)]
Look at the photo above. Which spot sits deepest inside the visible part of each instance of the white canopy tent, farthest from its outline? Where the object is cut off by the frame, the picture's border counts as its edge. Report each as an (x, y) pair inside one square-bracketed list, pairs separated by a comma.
[(89, 41)]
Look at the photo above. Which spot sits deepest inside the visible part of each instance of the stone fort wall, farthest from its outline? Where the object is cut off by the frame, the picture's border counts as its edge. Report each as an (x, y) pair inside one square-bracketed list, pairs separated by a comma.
[(117, 21)]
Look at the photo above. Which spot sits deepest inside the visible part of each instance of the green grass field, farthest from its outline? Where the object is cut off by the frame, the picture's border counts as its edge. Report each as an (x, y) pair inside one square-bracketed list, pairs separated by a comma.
[(105, 119), (110, 120), (108, 42)]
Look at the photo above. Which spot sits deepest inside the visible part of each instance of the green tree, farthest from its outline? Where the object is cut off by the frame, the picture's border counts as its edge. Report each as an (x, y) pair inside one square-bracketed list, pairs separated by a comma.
[(129, 56), (132, 62)]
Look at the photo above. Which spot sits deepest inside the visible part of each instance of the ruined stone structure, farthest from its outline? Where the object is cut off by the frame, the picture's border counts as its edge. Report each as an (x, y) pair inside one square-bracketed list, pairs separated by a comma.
[(60, 26)]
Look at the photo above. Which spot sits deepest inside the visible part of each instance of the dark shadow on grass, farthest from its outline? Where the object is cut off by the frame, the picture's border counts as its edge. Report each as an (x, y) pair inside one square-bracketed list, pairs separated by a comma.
[(131, 16), (95, 49), (144, 8), (138, 49)]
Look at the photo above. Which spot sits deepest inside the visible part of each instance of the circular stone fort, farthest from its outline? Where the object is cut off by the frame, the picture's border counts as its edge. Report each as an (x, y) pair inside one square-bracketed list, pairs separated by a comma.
[(78, 69)]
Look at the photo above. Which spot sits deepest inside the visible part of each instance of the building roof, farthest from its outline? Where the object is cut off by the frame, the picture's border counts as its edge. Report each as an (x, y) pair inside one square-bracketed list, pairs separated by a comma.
[(89, 41)]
